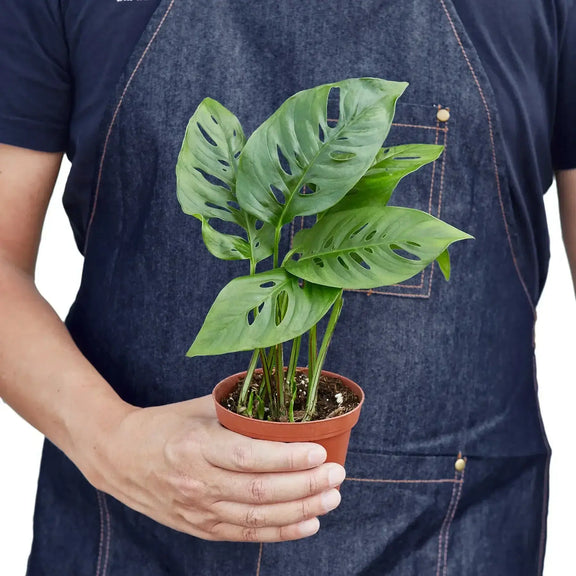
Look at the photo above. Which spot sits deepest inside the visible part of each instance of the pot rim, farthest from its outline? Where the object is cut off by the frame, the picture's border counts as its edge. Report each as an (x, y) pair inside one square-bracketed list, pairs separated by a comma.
[(353, 414)]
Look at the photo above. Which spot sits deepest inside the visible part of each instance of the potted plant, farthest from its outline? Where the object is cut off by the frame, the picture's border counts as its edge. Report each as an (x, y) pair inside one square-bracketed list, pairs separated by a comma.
[(301, 162)]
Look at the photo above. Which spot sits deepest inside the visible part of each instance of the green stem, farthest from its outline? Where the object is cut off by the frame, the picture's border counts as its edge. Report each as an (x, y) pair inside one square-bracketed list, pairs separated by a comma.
[(266, 376), (277, 234), (280, 378), (250, 372), (312, 349), (313, 383), (293, 362), (247, 381)]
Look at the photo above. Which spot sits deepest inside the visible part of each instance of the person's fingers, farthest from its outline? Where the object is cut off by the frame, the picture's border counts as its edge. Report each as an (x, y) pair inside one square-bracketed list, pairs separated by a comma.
[(232, 451), (278, 487), (283, 514), (232, 533)]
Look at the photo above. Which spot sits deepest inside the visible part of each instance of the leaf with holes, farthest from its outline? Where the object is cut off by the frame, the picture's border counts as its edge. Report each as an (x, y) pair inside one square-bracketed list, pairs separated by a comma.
[(207, 164), (388, 168), (206, 180), (224, 246), (296, 147), (232, 326), (369, 247)]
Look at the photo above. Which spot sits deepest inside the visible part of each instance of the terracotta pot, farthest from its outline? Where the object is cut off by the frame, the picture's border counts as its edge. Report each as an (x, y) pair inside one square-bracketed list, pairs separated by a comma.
[(333, 433)]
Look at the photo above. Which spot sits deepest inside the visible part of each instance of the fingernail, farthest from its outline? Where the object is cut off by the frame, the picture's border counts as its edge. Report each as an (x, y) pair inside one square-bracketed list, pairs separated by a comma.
[(309, 527), (330, 500), (336, 475), (316, 456)]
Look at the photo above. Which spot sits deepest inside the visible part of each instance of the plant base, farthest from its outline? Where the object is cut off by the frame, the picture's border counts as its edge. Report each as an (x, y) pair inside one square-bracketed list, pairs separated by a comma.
[(332, 433)]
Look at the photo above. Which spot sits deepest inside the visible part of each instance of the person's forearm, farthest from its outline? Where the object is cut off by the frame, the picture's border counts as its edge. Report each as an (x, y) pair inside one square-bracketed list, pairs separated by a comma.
[(43, 375), (566, 181)]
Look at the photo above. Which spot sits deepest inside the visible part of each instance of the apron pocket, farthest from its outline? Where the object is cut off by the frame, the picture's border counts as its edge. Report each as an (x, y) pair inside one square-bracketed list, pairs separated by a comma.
[(394, 519), (423, 189)]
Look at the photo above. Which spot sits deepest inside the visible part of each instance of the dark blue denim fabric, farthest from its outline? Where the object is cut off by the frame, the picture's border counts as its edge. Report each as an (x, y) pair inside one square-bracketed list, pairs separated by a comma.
[(448, 368)]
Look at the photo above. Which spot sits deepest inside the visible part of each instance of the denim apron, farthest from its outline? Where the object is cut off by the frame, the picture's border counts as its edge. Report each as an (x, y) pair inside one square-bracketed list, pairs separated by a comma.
[(448, 368)]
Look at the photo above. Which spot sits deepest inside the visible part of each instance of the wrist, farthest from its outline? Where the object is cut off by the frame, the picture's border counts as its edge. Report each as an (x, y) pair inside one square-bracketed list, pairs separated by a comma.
[(91, 414)]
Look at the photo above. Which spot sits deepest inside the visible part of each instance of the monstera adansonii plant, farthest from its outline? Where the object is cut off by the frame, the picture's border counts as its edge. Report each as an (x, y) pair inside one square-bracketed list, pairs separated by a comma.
[(300, 162)]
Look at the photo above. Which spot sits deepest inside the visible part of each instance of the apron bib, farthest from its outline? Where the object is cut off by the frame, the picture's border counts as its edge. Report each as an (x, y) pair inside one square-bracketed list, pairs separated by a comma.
[(448, 368)]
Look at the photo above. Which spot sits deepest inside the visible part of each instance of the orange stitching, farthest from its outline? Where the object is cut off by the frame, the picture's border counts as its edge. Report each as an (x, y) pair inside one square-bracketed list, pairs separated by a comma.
[(109, 531), (494, 160), (259, 559), (104, 518), (113, 121), (437, 128), (442, 528), (440, 195), (447, 532), (433, 170), (388, 293), (101, 541), (388, 481)]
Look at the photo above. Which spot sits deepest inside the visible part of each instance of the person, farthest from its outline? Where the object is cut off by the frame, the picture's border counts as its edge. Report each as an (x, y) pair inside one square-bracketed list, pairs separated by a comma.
[(448, 467)]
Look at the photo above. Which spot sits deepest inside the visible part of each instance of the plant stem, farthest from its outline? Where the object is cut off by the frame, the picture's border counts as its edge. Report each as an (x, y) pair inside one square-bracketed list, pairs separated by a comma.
[(280, 379), (247, 381), (277, 234), (312, 349), (313, 383), (293, 362), (266, 376), (250, 372)]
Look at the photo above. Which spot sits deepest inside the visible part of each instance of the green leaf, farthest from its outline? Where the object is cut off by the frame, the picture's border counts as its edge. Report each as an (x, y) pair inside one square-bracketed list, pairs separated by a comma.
[(369, 247), (232, 326), (224, 246), (388, 168), (444, 264), (296, 147), (207, 163), (206, 183)]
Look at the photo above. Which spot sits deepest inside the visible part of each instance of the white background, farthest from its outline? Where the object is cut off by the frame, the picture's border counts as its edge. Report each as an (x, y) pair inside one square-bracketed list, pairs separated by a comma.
[(58, 276)]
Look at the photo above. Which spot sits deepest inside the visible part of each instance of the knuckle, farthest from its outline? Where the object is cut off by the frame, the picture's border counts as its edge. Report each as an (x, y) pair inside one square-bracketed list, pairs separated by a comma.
[(292, 461), (209, 526), (254, 518), (284, 534), (191, 490), (249, 534), (243, 457), (304, 509), (257, 490), (313, 484)]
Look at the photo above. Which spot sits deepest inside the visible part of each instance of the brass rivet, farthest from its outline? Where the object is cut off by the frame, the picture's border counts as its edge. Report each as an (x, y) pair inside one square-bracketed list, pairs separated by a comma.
[(443, 115), (460, 464)]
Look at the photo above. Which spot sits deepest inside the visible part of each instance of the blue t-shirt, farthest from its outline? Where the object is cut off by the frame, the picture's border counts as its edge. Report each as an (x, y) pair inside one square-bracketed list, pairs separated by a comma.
[(60, 61)]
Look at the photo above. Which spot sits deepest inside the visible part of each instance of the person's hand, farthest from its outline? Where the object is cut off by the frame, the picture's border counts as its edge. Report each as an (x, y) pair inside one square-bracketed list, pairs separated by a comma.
[(179, 466)]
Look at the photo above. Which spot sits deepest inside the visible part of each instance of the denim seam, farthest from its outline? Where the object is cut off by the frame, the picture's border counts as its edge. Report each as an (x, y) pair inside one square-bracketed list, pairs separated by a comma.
[(114, 117), (104, 543), (101, 538), (443, 537), (405, 481), (259, 559), (494, 158), (434, 168), (542, 545), (442, 172), (437, 128)]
